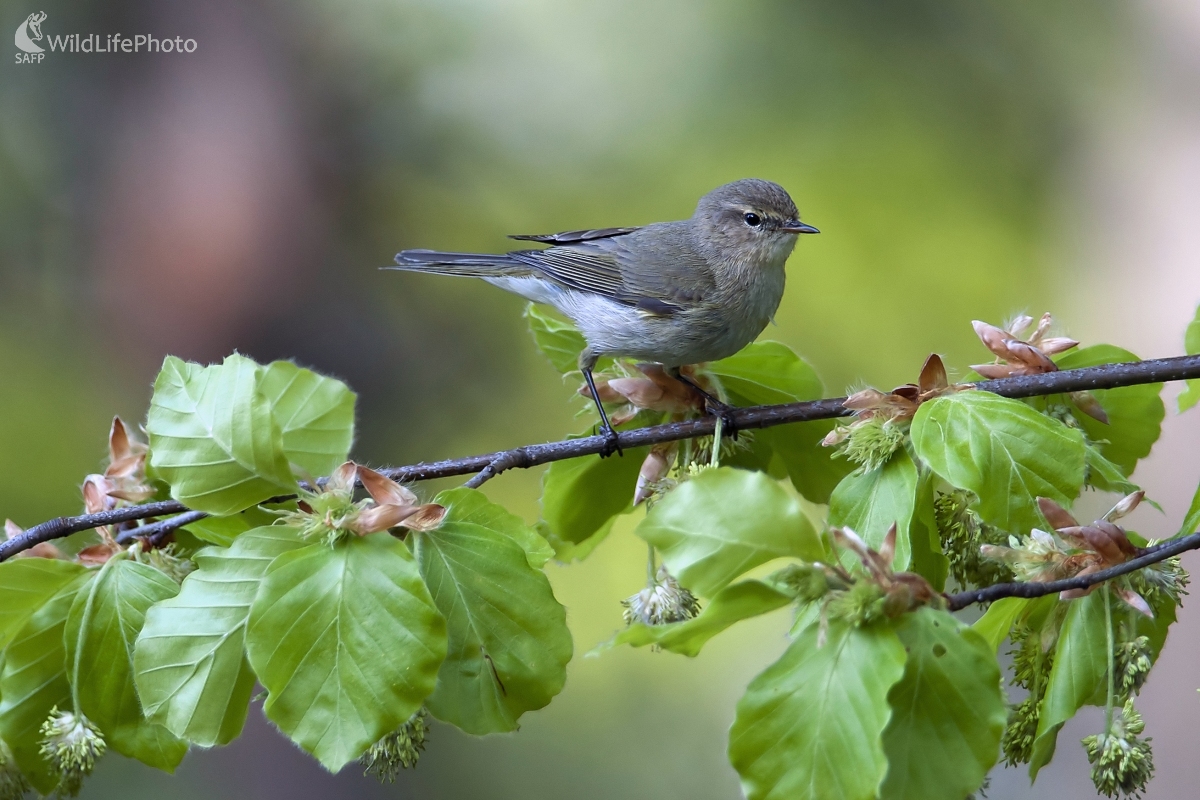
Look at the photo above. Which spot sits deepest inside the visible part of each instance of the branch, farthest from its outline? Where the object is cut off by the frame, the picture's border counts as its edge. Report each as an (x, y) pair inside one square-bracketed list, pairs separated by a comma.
[(1151, 555), (488, 465), (1106, 376), (157, 531), (64, 526)]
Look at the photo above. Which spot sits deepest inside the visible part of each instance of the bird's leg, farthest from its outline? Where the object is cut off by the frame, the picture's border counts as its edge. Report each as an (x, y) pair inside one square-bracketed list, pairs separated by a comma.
[(611, 443), (713, 405)]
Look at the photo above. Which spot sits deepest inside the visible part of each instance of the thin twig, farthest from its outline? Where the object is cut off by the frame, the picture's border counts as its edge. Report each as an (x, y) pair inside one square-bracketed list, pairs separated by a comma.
[(1152, 555), (158, 530), (1107, 376), (508, 459)]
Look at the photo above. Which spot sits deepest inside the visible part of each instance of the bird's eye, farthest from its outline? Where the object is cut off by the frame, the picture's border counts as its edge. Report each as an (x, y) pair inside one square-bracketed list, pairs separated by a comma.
[(752, 219)]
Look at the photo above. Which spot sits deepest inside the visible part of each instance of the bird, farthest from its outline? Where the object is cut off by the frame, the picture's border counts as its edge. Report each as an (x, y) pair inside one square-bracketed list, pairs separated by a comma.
[(675, 293)]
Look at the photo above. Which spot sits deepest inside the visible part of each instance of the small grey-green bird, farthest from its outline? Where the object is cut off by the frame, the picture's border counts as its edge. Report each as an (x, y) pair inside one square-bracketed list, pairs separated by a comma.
[(676, 293)]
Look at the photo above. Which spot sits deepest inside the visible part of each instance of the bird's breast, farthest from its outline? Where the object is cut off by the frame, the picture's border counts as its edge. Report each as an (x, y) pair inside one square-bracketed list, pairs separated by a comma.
[(753, 297)]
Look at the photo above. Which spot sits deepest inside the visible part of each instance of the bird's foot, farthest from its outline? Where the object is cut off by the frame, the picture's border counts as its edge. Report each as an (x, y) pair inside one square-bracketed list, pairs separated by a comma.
[(712, 405), (612, 444), (726, 413)]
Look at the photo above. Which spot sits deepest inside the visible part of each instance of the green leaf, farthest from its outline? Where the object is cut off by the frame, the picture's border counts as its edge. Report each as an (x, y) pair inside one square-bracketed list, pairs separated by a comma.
[(223, 530), (508, 639), (723, 522), (559, 340), (34, 681), (928, 560), (1191, 345), (1077, 676), (810, 726), (26, 584), (1191, 522), (347, 641), (581, 496), (1105, 475), (768, 373), (1003, 451), (1155, 629), (806, 614), (869, 503), (315, 415), (213, 437), (998, 620), (734, 603), (1135, 413), (472, 506), (948, 711), (102, 627), (191, 671)]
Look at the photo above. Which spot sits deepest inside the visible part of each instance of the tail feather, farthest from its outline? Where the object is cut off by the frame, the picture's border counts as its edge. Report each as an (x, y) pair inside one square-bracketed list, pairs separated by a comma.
[(479, 265)]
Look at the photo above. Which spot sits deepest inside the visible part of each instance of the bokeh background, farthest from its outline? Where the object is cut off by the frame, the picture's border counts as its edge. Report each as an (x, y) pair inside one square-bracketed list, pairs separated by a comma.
[(962, 159)]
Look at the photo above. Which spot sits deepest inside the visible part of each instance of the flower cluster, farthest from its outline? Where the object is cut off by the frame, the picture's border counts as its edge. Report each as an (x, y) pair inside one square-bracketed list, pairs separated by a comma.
[(1122, 762), (72, 745), (1021, 732), (1032, 660), (332, 513), (962, 533), (399, 750), (1132, 665), (881, 419), (874, 593), (1161, 582), (662, 601), (1074, 549), (166, 560)]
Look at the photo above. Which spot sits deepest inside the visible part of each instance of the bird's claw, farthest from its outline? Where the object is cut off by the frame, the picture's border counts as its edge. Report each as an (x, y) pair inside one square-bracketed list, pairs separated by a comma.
[(726, 414), (612, 444)]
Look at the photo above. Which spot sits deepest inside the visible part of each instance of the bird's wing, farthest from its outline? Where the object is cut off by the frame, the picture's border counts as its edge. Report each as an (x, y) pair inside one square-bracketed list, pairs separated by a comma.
[(572, 237), (656, 271)]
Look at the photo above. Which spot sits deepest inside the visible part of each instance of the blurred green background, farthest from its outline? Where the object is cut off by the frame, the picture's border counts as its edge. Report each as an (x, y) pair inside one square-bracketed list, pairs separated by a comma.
[(963, 160)]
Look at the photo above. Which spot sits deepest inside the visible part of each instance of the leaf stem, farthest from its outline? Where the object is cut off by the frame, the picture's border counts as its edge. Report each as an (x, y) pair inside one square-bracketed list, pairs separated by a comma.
[(1108, 632), (715, 458)]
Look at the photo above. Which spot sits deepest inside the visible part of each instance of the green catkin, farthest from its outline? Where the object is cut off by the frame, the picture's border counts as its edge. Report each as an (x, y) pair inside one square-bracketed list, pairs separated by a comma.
[(400, 749)]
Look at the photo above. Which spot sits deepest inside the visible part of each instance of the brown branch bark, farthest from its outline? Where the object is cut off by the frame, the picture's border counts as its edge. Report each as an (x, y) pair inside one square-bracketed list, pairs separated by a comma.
[(488, 465)]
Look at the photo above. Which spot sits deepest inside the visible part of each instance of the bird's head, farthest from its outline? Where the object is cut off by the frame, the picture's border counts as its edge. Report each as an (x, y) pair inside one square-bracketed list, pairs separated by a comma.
[(750, 220)]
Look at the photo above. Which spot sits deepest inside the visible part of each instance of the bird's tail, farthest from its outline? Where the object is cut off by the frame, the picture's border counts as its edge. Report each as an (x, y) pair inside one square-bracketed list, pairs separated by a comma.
[(477, 265)]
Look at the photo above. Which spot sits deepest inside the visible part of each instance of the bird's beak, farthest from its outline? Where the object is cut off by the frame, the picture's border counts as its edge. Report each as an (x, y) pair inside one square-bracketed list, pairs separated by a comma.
[(796, 226)]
